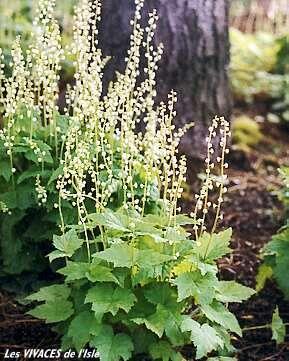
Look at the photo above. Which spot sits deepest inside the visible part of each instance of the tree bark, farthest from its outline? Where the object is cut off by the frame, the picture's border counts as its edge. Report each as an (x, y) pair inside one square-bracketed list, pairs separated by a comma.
[(195, 60)]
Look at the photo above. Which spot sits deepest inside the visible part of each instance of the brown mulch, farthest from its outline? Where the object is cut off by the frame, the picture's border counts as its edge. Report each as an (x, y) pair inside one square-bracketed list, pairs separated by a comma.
[(254, 212)]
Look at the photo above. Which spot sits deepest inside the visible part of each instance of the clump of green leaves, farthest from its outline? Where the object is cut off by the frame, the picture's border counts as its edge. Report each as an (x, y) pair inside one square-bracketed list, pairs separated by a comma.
[(147, 289), (276, 252), (276, 262)]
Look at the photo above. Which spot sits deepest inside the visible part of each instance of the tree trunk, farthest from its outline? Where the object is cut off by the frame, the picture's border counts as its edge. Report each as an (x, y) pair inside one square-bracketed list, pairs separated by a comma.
[(195, 61)]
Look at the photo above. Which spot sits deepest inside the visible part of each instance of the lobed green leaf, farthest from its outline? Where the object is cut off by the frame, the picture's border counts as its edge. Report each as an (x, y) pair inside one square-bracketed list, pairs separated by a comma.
[(56, 310), (112, 347), (204, 337), (216, 312), (231, 291), (110, 298)]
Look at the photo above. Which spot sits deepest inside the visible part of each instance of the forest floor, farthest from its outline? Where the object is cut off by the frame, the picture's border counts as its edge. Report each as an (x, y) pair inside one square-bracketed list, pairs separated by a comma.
[(254, 212)]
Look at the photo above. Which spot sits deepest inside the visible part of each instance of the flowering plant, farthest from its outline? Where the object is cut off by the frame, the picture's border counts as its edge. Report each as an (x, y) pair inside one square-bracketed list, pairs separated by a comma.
[(136, 281), (30, 141)]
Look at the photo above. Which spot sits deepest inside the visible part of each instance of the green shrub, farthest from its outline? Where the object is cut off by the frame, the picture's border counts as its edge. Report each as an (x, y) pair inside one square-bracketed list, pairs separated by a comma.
[(276, 262)]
